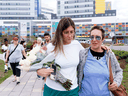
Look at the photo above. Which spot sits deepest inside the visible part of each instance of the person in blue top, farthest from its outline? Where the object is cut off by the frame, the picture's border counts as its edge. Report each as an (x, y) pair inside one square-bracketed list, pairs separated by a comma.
[(93, 69)]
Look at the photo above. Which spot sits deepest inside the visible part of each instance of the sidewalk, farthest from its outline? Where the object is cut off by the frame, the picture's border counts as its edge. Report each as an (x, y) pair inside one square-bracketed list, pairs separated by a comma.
[(29, 86)]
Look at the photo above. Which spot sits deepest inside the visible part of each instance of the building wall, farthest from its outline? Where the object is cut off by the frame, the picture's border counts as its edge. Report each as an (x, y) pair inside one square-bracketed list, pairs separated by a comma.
[(74, 7), (109, 24), (107, 5), (17, 9), (39, 27), (83, 9), (83, 27), (99, 6), (47, 12)]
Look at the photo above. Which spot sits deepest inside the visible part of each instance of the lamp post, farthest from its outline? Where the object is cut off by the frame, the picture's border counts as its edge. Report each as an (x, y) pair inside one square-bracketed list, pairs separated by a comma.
[(111, 35)]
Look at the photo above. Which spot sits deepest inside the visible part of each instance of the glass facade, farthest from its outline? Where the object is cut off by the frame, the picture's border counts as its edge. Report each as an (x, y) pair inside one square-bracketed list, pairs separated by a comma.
[(83, 30), (40, 30), (9, 30)]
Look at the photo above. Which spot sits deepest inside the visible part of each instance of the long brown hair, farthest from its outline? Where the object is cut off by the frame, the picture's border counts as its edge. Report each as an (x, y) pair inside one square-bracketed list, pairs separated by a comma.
[(57, 40)]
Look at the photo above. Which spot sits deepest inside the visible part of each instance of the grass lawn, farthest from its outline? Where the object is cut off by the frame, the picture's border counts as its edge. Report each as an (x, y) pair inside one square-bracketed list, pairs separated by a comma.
[(0, 51), (125, 78), (2, 75)]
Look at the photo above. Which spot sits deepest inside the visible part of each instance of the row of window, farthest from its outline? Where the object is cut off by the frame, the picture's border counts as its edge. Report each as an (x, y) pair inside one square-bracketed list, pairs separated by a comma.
[(44, 29), (11, 4), (46, 12), (8, 27), (14, 8), (91, 15), (78, 1), (78, 6), (90, 25), (46, 9), (14, 13), (79, 11), (14, 0), (36, 27), (44, 22), (16, 18)]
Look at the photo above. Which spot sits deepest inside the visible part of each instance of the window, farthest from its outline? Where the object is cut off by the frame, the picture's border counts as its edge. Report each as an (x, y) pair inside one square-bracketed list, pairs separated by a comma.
[(58, 12), (58, 7), (58, 2), (109, 14)]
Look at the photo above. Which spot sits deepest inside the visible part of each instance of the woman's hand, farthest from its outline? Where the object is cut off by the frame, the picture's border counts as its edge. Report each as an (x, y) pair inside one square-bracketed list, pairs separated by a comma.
[(21, 64), (113, 86), (40, 51), (44, 48), (6, 61), (44, 72), (105, 48)]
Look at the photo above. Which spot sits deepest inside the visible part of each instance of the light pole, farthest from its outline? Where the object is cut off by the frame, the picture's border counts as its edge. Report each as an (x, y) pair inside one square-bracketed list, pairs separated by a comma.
[(111, 35)]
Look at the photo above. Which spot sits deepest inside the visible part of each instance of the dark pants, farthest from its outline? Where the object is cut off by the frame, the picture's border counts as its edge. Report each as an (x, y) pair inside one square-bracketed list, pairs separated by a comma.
[(15, 70)]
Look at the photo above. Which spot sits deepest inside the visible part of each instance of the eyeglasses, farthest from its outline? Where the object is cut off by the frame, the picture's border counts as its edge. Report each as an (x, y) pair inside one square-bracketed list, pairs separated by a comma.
[(97, 37)]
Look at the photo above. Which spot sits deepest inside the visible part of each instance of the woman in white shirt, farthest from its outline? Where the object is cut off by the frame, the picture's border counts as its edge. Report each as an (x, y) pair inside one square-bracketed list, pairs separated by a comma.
[(66, 50)]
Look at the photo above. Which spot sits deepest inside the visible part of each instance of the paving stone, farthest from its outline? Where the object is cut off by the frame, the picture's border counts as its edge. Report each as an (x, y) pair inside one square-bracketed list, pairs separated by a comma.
[(29, 85)]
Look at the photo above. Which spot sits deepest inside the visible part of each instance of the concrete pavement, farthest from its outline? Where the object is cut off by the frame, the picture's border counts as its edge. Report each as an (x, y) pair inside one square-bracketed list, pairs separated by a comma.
[(125, 48), (1, 56), (29, 86)]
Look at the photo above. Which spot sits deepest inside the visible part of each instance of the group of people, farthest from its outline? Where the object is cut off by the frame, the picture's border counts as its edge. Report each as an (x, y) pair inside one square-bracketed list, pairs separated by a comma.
[(87, 69), (42, 45), (13, 53)]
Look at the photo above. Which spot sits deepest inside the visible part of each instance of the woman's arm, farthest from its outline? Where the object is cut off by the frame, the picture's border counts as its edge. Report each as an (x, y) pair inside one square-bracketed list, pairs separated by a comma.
[(7, 54), (23, 52), (118, 76)]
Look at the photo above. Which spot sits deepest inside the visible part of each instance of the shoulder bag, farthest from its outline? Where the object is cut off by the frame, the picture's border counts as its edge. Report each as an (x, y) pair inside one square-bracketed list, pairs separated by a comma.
[(11, 53), (121, 90)]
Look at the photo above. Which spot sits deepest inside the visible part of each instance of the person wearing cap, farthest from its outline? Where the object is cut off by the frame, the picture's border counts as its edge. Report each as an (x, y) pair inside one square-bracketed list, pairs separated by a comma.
[(15, 57), (4, 49)]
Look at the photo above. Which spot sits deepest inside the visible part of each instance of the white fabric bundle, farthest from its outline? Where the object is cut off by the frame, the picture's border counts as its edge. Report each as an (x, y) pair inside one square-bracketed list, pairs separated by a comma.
[(31, 57)]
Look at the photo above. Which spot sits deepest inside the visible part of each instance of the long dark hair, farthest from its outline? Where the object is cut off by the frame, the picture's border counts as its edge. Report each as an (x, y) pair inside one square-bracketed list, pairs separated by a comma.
[(57, 41)]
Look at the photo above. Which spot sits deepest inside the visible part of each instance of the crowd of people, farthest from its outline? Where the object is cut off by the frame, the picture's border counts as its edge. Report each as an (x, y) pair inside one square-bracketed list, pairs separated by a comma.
[(13, 53), (86, 68)]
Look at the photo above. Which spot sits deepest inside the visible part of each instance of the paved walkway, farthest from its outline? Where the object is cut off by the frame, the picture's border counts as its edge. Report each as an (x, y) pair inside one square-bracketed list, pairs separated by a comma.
[(29, 86), (125, 48), (1, 56)]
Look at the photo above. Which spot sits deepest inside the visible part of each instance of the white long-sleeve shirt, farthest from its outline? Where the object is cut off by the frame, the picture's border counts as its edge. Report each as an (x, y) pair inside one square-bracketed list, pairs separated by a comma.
[(68, 62)]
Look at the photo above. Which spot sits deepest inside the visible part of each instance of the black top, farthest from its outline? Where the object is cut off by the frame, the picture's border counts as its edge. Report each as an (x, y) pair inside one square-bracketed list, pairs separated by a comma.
[(97, 55)]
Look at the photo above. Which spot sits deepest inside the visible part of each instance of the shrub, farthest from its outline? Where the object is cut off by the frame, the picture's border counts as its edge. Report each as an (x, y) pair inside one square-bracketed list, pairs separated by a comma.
[(126, 60), (121, 54)]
